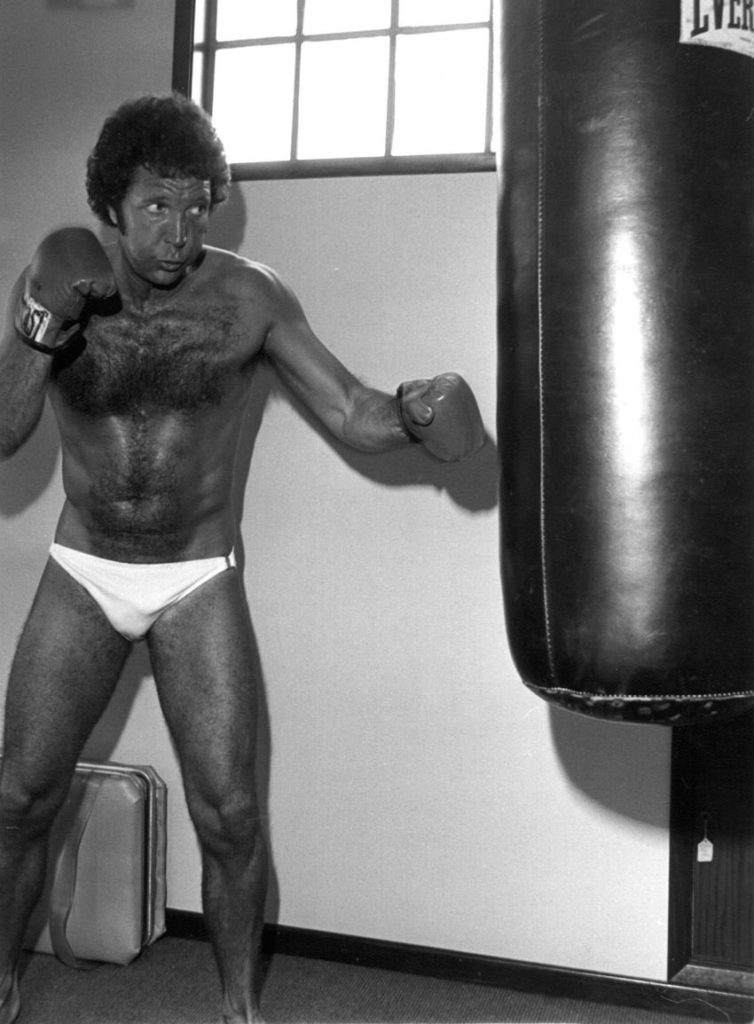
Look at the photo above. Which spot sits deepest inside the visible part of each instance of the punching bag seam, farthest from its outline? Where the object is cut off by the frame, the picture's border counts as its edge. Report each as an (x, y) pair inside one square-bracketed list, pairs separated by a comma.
[(541, 155), (628, 697)]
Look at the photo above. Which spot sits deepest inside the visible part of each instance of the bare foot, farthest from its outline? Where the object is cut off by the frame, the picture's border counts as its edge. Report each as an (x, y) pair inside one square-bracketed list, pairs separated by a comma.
[(10, 1000)]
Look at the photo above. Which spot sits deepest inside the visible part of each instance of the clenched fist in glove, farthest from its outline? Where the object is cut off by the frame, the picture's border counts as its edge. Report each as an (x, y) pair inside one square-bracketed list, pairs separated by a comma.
[(443, 415), (69, 268)]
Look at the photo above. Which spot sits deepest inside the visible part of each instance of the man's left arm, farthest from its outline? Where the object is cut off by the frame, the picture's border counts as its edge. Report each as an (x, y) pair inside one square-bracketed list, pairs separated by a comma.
[(441, 413)]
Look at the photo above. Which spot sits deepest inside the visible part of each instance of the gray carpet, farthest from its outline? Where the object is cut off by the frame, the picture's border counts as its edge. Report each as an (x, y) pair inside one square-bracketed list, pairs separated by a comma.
[(174, 982)]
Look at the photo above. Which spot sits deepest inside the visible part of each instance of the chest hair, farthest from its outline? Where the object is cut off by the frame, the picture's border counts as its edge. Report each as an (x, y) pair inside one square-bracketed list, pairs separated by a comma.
[(173, 361)]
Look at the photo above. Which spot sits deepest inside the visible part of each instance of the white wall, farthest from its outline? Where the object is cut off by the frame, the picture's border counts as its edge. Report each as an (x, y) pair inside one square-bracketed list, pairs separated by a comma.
[(417, 792)]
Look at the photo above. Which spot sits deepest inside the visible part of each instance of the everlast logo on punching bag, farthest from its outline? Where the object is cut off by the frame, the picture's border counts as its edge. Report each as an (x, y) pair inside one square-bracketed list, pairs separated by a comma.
[(728, 24)]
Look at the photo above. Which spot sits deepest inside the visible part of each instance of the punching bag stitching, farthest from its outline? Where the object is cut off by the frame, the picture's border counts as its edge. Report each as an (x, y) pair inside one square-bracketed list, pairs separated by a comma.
[(624, 698), (541, 154)]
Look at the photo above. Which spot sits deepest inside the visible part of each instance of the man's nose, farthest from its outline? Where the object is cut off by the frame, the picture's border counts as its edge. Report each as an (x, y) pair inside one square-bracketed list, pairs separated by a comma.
[(177, 230)]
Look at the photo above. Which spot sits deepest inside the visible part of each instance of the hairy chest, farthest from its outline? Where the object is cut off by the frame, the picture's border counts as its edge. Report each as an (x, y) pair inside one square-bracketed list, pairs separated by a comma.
[(175, 360)]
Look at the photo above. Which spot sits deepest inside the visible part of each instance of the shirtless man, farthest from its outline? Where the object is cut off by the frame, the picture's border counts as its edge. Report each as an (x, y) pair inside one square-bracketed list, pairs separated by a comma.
[(147, 352)]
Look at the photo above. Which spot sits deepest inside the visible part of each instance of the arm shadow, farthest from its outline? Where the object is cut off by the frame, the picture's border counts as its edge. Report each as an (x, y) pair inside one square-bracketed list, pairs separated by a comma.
[(27, 475), (471, 484)]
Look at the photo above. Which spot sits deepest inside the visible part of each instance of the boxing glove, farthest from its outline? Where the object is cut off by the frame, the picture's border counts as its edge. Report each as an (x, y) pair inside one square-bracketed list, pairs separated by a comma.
[(443, 415), (68, 269)]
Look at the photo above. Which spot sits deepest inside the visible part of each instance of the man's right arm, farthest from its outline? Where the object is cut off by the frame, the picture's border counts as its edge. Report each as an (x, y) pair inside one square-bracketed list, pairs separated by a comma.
[(24, 376), (68, 269)]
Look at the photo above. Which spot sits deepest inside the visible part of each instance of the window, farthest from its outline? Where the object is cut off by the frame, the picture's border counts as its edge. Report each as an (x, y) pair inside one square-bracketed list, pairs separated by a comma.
[(325, 87)]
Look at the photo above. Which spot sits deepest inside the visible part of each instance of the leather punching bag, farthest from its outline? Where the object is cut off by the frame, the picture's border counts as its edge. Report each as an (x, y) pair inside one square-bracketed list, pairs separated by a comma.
[(626, 414)]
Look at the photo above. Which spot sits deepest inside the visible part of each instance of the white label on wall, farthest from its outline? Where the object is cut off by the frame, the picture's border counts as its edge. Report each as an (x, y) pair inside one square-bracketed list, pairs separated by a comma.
[(728, 24), (705, 852)]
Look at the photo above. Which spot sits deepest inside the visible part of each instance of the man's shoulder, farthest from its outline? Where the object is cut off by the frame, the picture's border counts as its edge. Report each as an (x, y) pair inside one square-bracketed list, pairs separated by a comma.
[(240, 274), (222, 261)]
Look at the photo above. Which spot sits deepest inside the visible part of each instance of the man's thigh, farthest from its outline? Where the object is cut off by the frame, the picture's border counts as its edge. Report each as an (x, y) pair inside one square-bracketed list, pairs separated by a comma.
[(208, 677), (64, 671)]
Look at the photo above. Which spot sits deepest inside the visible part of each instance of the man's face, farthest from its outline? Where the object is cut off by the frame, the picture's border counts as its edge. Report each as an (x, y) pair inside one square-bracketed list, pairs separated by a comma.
[(163, 222)]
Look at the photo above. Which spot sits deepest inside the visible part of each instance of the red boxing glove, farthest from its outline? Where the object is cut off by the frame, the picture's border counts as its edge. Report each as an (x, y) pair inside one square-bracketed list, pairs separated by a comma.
[(68, 268), (443, 415)]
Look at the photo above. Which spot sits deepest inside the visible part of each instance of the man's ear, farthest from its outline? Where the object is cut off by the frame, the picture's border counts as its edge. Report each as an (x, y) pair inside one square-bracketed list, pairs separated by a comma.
[(114, 216)]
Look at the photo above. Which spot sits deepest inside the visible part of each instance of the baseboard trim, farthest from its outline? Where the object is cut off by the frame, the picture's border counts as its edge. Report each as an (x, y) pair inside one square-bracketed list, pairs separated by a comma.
[(640, 993)]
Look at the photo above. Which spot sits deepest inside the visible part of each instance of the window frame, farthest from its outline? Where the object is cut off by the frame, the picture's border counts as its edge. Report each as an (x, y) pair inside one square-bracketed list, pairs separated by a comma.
[(443, 163)]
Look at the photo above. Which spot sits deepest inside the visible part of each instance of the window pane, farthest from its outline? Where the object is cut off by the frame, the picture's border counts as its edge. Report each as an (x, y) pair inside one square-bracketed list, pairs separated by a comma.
[(197, 73), (200, 18), (345, 15), (441, 92), (250, 19), (253, 101), (442, 12), (343, 98)]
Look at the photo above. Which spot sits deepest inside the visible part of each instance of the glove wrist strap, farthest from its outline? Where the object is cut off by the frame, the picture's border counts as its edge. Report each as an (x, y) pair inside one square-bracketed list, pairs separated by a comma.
[(34, 322)]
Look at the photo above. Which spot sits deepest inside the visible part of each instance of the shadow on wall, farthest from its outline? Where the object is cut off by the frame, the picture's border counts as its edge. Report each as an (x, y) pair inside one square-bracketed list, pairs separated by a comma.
[(472, 484), (28, 474), (619, 766)]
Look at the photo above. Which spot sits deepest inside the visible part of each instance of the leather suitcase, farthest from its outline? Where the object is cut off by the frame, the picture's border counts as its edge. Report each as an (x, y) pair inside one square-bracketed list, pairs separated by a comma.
[(104, 897)]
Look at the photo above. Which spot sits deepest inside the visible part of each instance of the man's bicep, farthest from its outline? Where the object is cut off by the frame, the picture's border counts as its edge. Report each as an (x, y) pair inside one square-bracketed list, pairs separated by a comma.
[(311, 371)]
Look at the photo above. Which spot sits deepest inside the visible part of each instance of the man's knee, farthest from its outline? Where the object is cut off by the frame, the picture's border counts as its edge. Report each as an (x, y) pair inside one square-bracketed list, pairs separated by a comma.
[(230, 825), (26, 813)]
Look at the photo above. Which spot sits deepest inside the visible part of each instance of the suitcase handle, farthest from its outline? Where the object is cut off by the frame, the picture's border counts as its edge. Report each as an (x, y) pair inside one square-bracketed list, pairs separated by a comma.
[(84, 790)]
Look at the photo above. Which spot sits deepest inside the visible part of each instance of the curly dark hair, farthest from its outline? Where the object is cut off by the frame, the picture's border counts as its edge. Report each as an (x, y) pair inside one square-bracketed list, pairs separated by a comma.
[(171, 135)]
